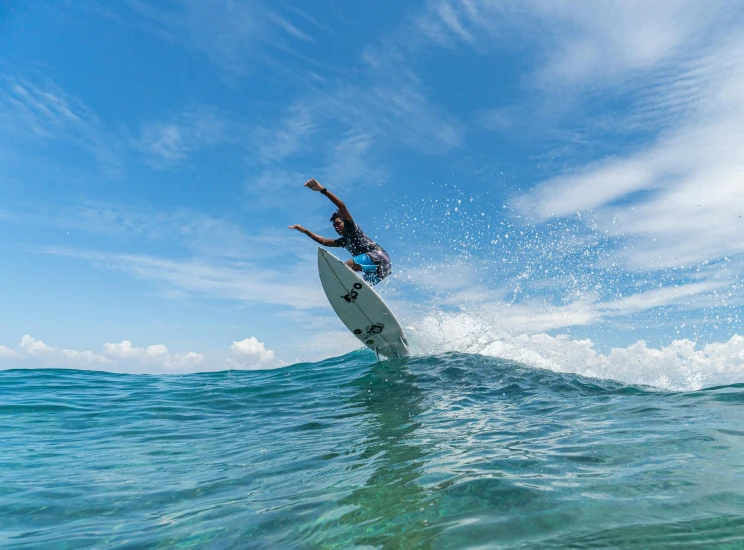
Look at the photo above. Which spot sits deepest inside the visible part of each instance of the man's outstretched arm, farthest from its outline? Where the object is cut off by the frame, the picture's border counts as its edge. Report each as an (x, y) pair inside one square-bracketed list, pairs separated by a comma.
[(313, 184), (317, 238)]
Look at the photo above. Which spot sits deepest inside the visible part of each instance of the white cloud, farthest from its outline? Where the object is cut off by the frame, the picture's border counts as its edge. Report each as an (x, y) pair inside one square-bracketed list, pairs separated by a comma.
[(252, 351), (689, 177), (383, 107), (204, 236), (32, 114), (9, 353), (349, 163), (383, 103), (58, 357), (390, 105), (682, 365), (164, 140), (166, 143), (598, 42), (156, 355), (677, 197), (536, 302), (584, 42), (232, 34), (289, 135), (114, 357), (125, 350), (662, 297), (216, 279)]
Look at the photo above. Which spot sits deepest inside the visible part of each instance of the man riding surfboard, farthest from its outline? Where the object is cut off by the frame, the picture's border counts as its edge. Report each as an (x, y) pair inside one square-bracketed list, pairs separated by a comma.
[(367, 256)]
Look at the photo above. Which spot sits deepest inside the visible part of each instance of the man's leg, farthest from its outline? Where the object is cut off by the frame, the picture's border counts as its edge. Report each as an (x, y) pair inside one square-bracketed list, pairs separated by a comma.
[(352, 265)]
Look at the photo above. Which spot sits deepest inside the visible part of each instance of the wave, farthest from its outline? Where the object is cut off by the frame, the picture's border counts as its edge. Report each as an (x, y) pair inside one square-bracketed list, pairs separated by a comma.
[(454, 450), (680, 366)]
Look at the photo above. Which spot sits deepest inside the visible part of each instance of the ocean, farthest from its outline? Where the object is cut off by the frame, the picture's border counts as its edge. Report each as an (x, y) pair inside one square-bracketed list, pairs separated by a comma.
[(456, 450)]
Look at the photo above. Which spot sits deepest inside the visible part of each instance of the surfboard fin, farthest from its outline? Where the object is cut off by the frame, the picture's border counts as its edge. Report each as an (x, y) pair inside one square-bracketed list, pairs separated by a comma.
[(405, 346)]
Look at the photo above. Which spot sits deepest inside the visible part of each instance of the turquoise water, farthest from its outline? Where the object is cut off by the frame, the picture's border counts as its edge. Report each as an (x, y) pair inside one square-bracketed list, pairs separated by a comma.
[(454, 451)]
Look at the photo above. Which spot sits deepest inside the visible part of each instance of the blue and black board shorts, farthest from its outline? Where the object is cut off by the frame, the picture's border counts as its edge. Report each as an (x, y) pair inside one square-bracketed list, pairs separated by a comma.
[(375, 266)]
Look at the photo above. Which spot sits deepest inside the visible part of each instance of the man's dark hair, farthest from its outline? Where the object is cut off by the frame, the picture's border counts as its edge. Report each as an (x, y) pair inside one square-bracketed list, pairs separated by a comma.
[(336, 215)]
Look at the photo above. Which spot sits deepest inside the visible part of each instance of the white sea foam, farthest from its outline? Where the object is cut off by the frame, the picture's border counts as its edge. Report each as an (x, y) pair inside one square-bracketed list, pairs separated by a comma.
[(682, 365)]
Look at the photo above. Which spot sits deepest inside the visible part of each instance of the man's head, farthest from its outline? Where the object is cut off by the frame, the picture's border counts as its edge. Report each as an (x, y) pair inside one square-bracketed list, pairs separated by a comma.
[(338, 223)]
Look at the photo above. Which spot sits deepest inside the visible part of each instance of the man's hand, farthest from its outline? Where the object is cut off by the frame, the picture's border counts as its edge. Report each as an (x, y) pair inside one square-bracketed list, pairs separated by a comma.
[(298, 228), (313, 184)]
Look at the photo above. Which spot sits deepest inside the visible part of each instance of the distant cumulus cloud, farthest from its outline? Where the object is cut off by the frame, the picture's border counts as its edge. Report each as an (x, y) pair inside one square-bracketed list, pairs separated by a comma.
[(252, 349), (119, 357), (123, 356), (59, 357), (9, 353), (157, 354)]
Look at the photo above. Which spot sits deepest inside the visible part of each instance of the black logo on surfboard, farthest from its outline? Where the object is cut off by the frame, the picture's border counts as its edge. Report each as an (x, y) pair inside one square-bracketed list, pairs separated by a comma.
[(352, 296), (376, 328)]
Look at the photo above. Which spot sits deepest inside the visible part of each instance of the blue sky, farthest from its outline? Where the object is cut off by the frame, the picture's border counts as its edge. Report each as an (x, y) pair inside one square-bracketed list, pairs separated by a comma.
[(566, 174)]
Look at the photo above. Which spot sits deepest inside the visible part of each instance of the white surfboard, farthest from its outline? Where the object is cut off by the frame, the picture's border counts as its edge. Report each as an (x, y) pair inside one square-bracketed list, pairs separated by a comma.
[(360, 308)]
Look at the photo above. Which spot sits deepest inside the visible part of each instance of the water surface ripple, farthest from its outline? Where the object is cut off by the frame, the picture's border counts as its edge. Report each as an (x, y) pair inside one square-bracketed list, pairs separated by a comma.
[(453, 451)]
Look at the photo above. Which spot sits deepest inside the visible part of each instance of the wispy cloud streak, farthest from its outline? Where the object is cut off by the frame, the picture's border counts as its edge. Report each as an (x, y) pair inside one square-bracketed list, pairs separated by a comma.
[(169, 142), (232, 34), (234, 280), (34, 115), (681, 195)]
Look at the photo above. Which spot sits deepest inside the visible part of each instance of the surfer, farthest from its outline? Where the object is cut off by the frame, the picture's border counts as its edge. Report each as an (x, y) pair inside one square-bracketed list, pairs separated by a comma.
[(367, 256)]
